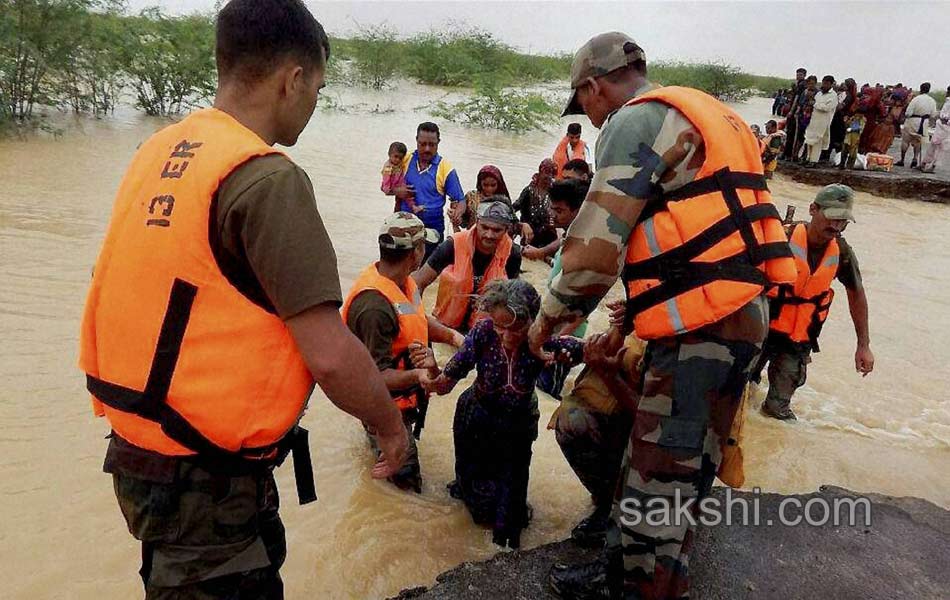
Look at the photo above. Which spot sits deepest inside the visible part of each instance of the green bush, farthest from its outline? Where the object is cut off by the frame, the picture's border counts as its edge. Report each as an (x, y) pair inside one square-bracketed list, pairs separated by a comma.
[(169, 61), (492, 108), (721, 80), (375, 54), (766, 84)]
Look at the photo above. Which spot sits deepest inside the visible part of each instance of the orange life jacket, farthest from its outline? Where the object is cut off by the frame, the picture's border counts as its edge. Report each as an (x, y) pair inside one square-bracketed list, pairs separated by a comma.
[(701, 252), (453, 304), (564, 153), (411, 316), (176, 358), (798, 311)]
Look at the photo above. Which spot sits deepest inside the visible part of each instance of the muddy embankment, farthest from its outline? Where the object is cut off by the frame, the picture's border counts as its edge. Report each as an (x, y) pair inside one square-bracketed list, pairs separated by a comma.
[(903, 553)]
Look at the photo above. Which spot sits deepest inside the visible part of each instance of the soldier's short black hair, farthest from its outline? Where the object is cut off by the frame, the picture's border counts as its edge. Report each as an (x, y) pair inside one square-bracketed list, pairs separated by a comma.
[(254, 36), (430, 127), (569, 191), (577, 164), (392, 256)]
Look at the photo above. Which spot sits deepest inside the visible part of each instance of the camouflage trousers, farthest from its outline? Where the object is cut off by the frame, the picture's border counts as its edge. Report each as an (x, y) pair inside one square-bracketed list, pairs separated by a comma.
[(409, 476), (692, 387), (788, 368), (593, 444), (205, 536)]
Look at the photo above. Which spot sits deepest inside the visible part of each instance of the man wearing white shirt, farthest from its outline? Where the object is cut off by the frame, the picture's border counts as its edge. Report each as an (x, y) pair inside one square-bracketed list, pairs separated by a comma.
[(940, 141), (818, 132), (918, 113)]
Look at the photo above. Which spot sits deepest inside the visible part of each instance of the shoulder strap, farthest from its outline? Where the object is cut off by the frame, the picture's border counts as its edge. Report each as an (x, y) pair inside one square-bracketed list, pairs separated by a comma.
[(675, 268)]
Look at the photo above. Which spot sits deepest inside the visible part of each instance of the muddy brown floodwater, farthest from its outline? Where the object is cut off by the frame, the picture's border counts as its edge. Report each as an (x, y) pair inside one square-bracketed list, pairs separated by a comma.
[(62, 533)]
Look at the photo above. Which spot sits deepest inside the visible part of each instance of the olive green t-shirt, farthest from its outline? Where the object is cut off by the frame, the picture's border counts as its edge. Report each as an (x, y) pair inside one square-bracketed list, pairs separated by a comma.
[(373, 320), (269, 240)]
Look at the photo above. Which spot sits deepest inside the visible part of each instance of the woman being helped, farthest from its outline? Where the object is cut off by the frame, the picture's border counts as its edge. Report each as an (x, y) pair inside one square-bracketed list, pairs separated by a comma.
[(496, 419), (533, 204), (489, 182)]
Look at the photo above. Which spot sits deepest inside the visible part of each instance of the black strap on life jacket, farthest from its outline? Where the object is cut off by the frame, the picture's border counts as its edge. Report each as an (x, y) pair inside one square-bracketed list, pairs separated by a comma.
[(821, 302), (150, 404), (403, 362), (676, 270)]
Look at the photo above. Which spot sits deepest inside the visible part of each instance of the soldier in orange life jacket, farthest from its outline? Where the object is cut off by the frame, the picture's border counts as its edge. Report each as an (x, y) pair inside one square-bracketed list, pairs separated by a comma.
[(468, 261), (679, 207), (384, 310), (798, 311), (213, 311)]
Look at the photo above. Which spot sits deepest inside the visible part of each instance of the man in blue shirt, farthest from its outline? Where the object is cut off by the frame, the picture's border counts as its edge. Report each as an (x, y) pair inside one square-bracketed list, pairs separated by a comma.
[(429, 180)]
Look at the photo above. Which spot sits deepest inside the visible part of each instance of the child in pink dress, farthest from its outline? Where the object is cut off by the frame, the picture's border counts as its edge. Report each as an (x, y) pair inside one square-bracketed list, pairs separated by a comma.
[(394, 175)]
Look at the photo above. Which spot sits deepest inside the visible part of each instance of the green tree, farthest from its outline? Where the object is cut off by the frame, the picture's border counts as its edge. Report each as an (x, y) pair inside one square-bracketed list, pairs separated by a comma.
[(493, 108), (169, 61), (376, 54), (37, 37), (92, 80)]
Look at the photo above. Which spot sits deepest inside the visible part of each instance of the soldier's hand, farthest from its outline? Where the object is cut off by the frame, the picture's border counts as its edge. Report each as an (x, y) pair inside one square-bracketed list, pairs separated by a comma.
[(421, 356), (864, 360), (393, 447), (539, 333), (618, 312), (594, 349)]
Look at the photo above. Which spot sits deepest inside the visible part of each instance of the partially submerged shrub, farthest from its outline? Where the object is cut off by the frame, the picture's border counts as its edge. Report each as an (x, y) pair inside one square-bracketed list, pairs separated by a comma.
[(508, 110)]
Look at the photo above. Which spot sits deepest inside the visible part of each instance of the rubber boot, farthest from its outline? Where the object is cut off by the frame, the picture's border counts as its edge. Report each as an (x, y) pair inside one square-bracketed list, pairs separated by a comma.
[(581, 582), (592, 530)]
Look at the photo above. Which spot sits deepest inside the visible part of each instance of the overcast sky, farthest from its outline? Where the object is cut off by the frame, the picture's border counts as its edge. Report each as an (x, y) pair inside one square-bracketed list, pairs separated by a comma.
[(888, 42)]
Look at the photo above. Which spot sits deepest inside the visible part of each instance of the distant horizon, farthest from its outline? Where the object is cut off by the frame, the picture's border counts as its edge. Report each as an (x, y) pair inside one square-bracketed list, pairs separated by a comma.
[(690, 32)]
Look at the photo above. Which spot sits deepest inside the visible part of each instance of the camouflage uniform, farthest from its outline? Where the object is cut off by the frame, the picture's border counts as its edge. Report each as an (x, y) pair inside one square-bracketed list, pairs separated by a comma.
[(204, 535), (692, 383)]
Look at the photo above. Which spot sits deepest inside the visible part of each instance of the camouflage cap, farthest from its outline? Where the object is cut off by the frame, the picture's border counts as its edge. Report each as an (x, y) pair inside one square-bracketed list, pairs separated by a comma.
[(403, 230), (600, 55), (836, 201), (495, 211)]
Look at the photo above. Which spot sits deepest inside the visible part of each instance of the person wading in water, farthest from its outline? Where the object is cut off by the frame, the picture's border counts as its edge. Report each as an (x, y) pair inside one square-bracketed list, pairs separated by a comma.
[(217, 274)]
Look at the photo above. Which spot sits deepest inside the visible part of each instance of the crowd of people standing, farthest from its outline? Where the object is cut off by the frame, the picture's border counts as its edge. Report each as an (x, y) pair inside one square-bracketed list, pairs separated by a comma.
[(839, 119)]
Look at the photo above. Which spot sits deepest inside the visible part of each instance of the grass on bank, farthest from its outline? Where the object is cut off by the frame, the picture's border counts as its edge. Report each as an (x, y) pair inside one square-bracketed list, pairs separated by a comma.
[(85, 56)]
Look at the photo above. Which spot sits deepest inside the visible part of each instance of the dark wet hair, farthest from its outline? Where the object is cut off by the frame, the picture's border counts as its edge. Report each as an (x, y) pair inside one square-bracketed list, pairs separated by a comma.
[(252, 37), (574, 129), (517, 295), (398, 147), (430, 127), (570, 191), (578, 164), (925, 88), (392, 256)]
